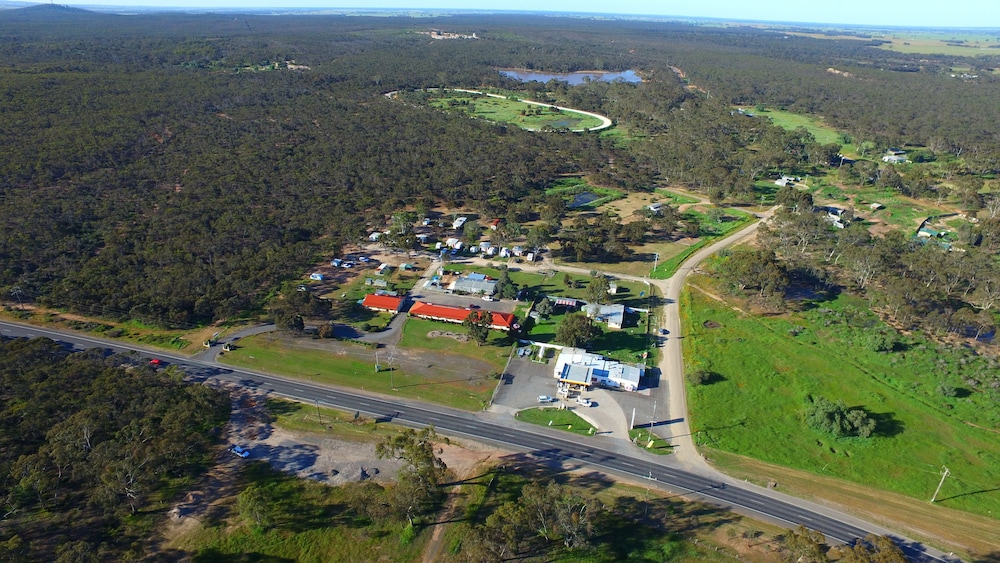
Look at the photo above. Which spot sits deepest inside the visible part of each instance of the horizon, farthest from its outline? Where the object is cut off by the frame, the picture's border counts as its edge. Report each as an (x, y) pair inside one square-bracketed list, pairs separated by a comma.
[(922, 14)]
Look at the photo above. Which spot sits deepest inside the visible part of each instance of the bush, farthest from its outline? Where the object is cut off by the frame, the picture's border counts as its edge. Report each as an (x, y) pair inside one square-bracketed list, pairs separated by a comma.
[(828, 417), (407, 535), (947, 390), (700, 377)]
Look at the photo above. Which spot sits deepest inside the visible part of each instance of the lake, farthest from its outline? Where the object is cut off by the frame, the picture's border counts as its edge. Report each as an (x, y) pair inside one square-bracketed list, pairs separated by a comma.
[(573, 78)]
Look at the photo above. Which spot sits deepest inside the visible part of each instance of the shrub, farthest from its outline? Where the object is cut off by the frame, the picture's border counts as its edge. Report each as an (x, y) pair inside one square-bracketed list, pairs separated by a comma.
[(947, 390), (407, 535), (700, 377), (828, 417)]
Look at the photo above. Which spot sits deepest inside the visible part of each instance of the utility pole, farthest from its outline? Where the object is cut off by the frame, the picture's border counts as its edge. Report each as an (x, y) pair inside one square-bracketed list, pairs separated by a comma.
[(392, 356), (656, 258), (16, 292), (651, 419), (943, 477)]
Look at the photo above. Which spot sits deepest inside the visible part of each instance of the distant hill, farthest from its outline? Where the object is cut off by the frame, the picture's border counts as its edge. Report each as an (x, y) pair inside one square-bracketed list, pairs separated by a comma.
[(41, 12)]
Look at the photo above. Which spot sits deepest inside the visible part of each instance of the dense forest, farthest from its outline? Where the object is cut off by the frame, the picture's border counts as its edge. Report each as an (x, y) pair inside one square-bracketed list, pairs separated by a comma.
[(88, 442), (177, 168)]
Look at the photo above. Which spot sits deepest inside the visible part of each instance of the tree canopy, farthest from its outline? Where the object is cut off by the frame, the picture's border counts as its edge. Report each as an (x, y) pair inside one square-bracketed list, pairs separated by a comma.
[(87, 440)]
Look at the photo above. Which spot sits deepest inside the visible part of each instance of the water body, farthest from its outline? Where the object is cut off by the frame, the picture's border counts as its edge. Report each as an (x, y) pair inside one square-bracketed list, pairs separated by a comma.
[(573, 78), (579, 200)]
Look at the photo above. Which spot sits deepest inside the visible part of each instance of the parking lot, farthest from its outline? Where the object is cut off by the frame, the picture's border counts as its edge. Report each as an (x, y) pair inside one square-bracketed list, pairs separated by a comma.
[(526, 380)]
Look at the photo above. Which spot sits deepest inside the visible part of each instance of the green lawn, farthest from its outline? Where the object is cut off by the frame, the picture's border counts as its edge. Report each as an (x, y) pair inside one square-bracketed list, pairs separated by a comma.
[(641, 437), (563, 419), (766, 368), (354, 368)]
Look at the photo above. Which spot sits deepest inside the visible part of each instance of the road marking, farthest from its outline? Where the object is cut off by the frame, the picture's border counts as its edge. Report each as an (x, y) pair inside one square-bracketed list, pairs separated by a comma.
[(627, 463)]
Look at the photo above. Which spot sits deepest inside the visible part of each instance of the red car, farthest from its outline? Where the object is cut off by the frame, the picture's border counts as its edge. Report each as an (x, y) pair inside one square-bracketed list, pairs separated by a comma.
[(156, 362)]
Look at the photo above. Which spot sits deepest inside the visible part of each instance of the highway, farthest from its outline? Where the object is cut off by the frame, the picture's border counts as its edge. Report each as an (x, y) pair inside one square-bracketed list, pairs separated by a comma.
[(542, 443)]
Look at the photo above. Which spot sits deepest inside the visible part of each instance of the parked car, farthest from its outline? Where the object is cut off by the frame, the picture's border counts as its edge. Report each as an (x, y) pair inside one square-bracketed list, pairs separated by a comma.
[(156, 362), (240, 452), (488, 298), (546, 399), (664, 331), (583, 401), (364, 259)]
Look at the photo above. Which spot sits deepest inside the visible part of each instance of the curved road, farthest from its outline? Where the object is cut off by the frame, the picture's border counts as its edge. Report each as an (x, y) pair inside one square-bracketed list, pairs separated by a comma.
[(537, 441)]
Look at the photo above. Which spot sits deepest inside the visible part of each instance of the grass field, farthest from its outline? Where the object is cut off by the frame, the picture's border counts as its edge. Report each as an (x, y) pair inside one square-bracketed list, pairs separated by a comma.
[(709, 231), (563, 419), (755, 406), (676, 198), (787, 120), (494, 352), (302, 515), (350, 365), (930, 46), (331, 423), (505, 110), (574, 190), (900, 211)]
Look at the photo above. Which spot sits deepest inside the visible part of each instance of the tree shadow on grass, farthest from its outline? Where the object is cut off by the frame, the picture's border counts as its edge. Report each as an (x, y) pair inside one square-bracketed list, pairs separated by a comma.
[(631, 523), (593, 482), (886, 424), (213, 555)]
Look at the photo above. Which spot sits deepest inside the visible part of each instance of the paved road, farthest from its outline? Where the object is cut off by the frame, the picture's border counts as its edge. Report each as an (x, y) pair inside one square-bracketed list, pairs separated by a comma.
[(539, 442)]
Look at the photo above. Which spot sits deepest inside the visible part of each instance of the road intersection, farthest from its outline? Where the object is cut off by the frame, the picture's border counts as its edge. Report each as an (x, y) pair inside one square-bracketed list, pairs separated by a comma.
[(685, 472)]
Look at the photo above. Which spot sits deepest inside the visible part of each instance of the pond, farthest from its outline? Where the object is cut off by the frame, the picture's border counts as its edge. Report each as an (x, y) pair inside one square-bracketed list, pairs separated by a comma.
[(579, 200), (573, 78)]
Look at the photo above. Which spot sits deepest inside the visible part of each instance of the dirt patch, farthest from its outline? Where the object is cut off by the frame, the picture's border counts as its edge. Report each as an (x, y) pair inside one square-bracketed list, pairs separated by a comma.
[(445, 334), (711, 324)]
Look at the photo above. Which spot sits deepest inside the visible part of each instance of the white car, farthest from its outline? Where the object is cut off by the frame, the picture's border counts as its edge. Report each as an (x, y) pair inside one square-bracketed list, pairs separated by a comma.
[(240, 452), (583, 402), (546, 399), (488, 298)]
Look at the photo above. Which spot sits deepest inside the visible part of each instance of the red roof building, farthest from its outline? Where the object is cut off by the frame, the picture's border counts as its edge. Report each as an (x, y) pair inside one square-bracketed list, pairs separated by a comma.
[(424, 310), (386, 303)]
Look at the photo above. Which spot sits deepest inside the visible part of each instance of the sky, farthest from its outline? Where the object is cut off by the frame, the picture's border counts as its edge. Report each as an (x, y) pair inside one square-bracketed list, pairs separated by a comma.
[(912, 13)]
